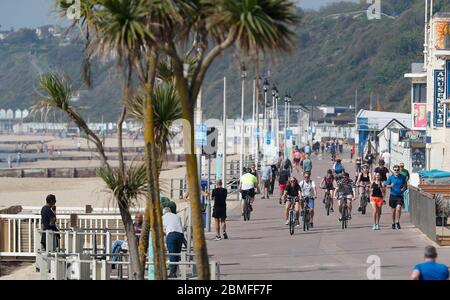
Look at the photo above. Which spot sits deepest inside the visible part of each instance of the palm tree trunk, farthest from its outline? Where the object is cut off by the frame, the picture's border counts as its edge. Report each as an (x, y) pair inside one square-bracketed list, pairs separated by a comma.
[(200, 250), (136, 272), (153, 209)]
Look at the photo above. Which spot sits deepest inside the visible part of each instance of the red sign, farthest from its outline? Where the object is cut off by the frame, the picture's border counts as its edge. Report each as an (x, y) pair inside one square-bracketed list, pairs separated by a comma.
[(420, 115)]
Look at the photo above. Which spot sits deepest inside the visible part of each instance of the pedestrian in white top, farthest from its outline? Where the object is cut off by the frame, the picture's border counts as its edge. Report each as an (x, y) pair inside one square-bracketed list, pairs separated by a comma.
[(174, 238), (386, 156), (266, 175), (309, 193)]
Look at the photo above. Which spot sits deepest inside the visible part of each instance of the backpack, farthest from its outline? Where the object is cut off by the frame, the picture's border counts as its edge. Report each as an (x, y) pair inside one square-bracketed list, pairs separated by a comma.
[(338, 168)]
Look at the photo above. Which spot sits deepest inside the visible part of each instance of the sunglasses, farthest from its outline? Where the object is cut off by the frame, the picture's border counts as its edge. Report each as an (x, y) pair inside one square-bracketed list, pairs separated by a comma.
[(396, 170)]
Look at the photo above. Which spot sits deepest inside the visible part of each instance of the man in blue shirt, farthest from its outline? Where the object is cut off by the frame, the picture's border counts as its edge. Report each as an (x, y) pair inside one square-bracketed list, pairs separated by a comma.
[(397, 184), (430, 269)]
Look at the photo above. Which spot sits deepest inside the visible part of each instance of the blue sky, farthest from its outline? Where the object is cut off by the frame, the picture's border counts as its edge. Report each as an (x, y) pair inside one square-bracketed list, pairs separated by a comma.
[(33, 13)]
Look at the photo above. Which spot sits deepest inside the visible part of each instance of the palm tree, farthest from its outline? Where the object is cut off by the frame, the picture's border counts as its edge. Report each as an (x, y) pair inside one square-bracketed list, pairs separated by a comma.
[(120, 26), (167, 109), (125, 185), (258, 26)]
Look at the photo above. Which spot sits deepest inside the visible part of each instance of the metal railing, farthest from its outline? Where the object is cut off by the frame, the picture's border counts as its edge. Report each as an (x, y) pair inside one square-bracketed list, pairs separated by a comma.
[(79, 262), (18, 236), (429, 213)]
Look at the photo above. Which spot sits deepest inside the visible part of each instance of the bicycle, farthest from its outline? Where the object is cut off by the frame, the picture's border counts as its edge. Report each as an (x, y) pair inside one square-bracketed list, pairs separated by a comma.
[(247, 208), (306, 214), (345, 211), (327, 201), (363, 200), (292, 215)]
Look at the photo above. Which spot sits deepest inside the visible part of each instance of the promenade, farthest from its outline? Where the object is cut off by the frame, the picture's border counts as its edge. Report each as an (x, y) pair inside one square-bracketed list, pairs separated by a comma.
[(263, 249)]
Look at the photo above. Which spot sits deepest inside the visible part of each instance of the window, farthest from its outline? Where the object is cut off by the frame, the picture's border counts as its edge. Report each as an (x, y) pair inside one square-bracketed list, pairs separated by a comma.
[(419, 93)]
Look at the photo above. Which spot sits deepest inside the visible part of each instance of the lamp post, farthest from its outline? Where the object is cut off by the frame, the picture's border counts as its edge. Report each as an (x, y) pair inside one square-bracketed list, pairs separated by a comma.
[(272, 115), (243, 76), (277, 124), (266, 89), (287, 103)]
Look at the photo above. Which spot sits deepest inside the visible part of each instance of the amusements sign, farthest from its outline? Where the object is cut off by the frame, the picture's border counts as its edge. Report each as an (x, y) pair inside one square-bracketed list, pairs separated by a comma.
[(447, 121), (443, 34), (439, 97), (420, 115)]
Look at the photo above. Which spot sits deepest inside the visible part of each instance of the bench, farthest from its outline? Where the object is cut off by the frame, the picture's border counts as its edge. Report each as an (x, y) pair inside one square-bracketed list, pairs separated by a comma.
[(436, 189)]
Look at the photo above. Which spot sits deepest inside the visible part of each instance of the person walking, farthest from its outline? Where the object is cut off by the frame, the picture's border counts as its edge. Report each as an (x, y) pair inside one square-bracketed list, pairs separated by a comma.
[(9, 162), (19, 158), (266, 176), (219, 194), (273, 178), (404, 171), (397, 184), (382, 170), (307, 164), (174, 238), (386, 156), (369, 159), (430, 269), (377, 191)]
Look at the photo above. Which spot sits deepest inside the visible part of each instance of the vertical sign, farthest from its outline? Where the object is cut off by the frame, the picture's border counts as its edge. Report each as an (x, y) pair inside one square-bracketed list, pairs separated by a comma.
[(420, 115), (439, 96), (447, 110)]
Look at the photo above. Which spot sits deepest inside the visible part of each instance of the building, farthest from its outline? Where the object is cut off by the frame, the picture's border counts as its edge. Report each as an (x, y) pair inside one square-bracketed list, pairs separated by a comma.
[(430, 90), (370, 123)]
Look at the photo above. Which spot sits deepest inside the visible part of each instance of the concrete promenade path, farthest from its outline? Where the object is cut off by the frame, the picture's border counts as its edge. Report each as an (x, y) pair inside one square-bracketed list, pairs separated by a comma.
[(263, 249)]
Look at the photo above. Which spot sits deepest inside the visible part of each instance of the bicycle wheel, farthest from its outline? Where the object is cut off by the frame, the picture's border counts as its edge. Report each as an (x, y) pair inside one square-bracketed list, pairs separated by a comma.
[(246, 209), (344, 217), (306, 220), (327, 204), (291, 222), (364, 205)]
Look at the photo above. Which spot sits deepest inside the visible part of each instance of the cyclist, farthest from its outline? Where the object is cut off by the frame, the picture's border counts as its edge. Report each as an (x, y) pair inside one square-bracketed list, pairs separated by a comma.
[(283, 179), (338, 169), (333, 150), (327, 183), (345, 189), (363, 181), (293, 191), (309, 193), (248, 183)]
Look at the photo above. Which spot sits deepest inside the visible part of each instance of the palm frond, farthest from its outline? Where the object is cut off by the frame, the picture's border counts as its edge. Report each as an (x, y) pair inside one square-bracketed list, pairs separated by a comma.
[(128, 188), (57, 92)]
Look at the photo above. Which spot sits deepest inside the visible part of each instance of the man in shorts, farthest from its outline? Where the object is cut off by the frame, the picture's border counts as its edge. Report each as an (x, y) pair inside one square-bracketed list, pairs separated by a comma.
[(397, 183), (266, 176)]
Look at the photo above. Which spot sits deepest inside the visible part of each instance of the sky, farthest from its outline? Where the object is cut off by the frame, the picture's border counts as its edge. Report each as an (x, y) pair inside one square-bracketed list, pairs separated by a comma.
[(34, 13)]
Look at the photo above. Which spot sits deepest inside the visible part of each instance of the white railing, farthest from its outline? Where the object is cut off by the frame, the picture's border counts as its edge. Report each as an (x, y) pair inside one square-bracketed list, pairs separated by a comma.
[(18, 232)]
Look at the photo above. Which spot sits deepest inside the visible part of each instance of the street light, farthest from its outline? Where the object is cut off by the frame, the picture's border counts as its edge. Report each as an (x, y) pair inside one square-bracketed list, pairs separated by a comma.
[(287, 102), (266, 89), (243, 76)]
